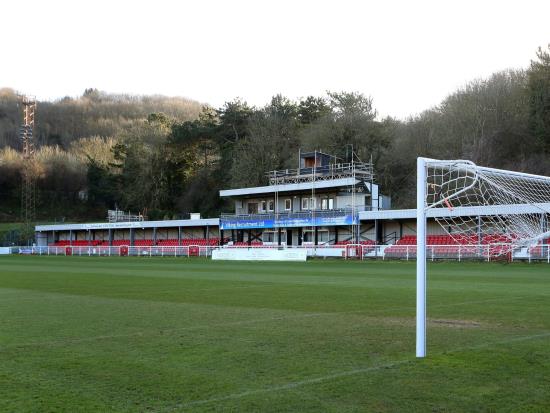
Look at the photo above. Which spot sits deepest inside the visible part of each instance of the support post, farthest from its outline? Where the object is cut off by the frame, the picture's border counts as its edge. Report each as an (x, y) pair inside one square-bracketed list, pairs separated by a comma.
[(316, 236), (132, 236), (421, 258)]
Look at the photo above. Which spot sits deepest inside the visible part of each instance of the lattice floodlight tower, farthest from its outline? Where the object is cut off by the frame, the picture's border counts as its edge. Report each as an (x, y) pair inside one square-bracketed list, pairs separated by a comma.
[(501, 210), (28, 187)]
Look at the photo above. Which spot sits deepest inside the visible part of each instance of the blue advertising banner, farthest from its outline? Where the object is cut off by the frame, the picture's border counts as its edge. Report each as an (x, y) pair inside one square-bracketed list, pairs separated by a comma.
[(287, 222)]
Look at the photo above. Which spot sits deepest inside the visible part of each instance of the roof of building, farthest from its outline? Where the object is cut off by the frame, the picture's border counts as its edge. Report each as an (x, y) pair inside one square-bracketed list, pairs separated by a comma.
[(457, 212), (127, 225), (302, 186)]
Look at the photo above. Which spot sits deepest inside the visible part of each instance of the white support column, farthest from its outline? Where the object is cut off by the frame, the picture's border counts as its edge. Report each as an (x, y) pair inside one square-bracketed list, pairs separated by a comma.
[(421, 258)]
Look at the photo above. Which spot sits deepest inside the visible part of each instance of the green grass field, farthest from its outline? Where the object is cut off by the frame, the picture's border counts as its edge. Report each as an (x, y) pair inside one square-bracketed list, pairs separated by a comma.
[(166, 334)]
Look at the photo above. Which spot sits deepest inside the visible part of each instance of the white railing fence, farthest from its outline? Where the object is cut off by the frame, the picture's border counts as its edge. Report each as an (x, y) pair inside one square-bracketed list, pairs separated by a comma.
[(480, 252)]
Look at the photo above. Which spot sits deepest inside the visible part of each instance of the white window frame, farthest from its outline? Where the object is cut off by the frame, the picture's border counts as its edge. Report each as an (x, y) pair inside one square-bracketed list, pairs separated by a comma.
[(271, 205), (305, 204), (320, 238), (288, 204), (269, 234)]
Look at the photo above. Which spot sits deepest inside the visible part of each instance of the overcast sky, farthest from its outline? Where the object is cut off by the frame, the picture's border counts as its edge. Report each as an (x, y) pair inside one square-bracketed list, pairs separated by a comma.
[(407, 55)]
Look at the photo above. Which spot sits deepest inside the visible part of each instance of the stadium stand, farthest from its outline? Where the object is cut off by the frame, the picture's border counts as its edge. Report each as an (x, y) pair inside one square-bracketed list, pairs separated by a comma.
[(79, 243), (446, 246), (140, 242)]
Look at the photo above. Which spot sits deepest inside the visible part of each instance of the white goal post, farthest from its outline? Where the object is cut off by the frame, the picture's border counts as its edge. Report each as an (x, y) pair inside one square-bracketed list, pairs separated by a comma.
[(473, 204)]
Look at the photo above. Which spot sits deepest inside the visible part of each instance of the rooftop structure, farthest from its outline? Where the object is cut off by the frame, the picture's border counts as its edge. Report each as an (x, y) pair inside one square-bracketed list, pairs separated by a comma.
[(319, 166), (116, 215)]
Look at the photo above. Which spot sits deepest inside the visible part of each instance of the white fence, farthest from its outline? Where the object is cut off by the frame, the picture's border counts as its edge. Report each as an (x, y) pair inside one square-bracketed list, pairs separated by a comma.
[(540, 253)]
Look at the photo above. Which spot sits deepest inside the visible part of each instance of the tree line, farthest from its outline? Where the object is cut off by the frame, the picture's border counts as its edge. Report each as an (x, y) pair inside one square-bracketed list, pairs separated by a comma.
[(171, 157)]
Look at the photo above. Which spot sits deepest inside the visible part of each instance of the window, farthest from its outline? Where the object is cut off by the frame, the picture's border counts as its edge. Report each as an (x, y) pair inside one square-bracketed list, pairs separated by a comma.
[(262, 208), (252, 207), (288, 204), (305, 203), (331, 203), (308, 236), (268, 237), (322, 236), (270, 205), (312, 203), (324, 203)]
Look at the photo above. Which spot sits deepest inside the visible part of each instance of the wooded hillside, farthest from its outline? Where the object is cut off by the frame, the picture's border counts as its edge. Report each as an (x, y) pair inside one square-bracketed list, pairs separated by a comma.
[(170, 156)]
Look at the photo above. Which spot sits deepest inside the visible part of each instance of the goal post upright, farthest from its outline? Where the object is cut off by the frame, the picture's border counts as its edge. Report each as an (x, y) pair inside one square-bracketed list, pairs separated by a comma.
[(455, 193), (421, 257)]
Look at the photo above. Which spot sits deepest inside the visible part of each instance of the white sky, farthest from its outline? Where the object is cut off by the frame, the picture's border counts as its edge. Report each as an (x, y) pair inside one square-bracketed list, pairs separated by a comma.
[(407, 55)]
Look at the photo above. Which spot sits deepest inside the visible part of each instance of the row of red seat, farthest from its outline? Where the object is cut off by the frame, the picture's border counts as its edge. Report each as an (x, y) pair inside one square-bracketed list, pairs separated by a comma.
[(458, 239), (541, 250), (77, 243), (139, 242)]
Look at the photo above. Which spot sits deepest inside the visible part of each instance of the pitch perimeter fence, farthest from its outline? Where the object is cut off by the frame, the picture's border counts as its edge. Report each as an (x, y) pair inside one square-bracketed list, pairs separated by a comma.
[(538, 253)]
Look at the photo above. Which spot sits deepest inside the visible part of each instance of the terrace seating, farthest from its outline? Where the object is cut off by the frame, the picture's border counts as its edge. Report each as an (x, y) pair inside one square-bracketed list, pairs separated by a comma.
[(541, 250), (143, 242), (77, 243), (201, 242), (120, 242), (171, 242), (440, 246)]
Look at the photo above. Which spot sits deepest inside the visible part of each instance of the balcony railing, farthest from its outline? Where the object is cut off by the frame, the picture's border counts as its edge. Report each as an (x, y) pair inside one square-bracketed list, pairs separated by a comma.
[(360, 170), (291, 215), (289, 219)]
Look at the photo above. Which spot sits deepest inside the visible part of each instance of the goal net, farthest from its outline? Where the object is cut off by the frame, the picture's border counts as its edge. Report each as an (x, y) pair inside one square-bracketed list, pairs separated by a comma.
[(476, 205), (479, 205)]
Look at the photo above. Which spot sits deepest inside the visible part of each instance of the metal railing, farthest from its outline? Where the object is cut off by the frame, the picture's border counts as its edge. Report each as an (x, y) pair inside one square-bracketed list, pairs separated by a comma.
[(340, 212), (360, 170), (538, 253)]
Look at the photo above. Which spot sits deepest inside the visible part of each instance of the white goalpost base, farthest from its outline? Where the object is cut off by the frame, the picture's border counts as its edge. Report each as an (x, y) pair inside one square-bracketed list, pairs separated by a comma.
[(495, 208)]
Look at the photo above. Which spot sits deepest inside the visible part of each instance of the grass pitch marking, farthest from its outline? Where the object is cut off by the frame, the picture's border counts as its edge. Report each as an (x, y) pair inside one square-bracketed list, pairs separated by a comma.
[(315, 380)]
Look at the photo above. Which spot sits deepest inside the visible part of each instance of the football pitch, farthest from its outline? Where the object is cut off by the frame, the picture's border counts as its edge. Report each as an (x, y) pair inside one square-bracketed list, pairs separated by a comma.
[(176, 334)]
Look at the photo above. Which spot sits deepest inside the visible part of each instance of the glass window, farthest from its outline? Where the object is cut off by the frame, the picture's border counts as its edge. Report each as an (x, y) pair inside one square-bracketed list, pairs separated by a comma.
[(262, 208), (312, 203), (268, 237), (252, 208), (308, 236), (331, 203), (288, 204), (324, 203), (305, 203), (270, 205)]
